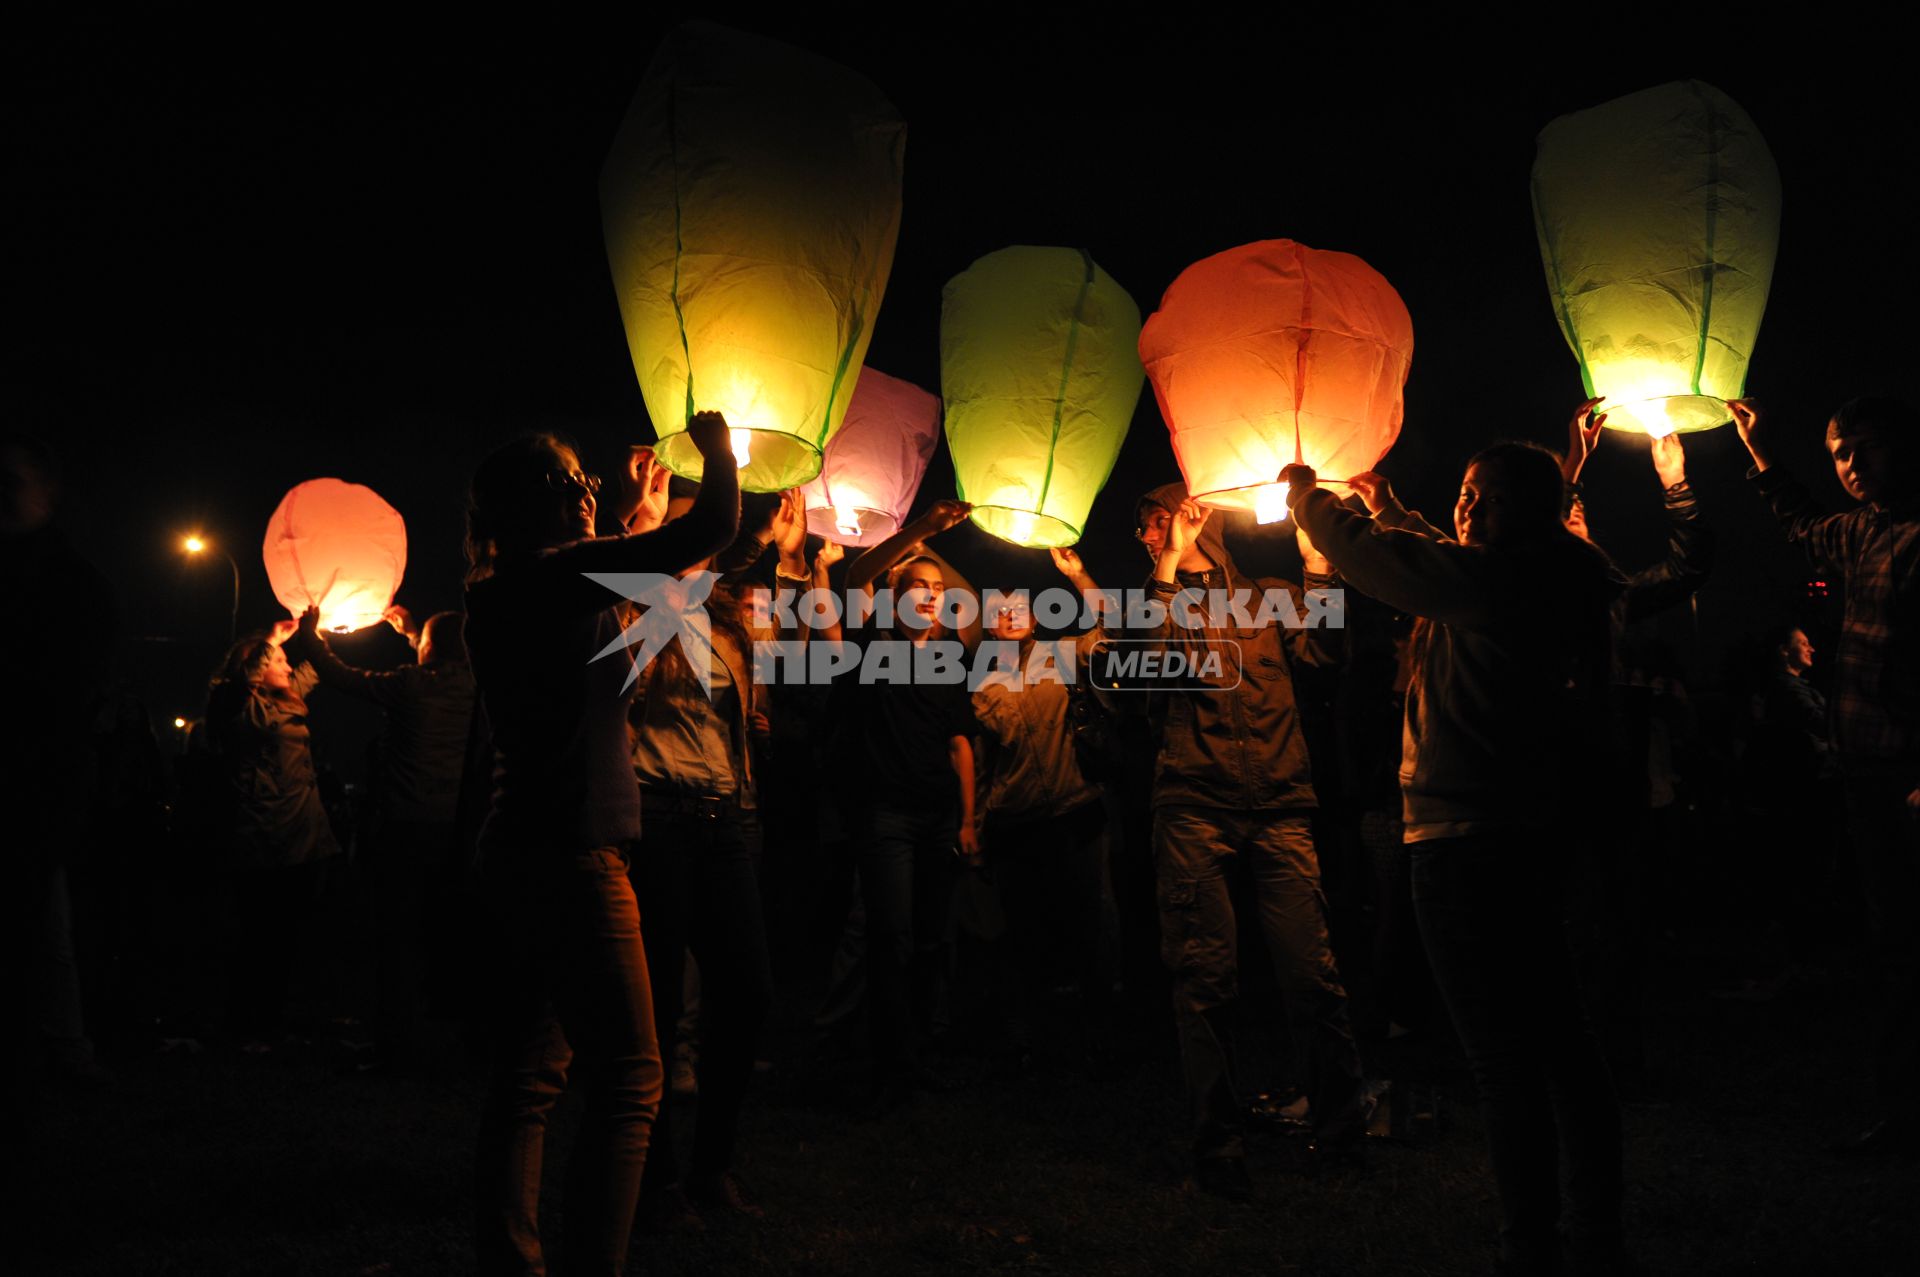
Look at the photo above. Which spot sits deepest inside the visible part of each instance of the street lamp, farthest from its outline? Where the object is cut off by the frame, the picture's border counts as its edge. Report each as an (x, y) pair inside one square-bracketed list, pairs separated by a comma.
[(194, 543)]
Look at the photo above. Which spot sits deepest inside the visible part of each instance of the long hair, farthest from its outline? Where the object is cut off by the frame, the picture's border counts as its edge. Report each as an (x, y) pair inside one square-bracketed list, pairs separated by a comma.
[(232, 683), (499, 519), (1536, 490)]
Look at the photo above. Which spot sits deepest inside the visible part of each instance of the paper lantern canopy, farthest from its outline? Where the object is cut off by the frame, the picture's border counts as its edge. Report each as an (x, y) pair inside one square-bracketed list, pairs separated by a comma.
[(750, 203), (874, 465), (1659, 219), (1275, 353), (1040, 373), (339, 547)]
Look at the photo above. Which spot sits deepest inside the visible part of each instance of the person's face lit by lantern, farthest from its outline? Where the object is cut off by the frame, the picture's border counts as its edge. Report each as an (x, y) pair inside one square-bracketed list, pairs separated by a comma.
[(1152, 530), (1866, 461), (273, 671), (757, 614), (570, 496), (1797, 652), (918, 592), (1013, 620), (1483, 513)]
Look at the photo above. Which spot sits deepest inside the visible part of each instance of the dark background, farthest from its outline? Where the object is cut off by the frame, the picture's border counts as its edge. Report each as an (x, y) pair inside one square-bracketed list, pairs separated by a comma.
[(248, 255)]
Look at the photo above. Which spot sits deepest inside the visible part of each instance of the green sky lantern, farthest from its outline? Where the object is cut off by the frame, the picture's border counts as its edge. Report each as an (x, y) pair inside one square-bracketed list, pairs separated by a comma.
[(1659, 219), (750, 202), (1040, 370)]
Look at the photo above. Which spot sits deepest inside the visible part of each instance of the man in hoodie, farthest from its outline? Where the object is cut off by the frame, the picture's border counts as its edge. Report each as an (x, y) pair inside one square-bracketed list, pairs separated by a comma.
[(1510, 671), (1232, 782)]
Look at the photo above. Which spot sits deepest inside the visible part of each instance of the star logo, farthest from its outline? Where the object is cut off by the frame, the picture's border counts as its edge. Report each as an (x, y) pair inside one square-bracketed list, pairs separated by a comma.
[(669, 606)]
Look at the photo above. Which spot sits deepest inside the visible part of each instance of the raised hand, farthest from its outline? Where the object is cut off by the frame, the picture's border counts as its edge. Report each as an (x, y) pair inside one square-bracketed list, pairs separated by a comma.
[(708, 430), (1373, 489), (1300, 477), (830, 553), (942, 515), (1067, 559), (789, 525), (1183, 529), (646, 482), (1669, 460), (1583, 436)]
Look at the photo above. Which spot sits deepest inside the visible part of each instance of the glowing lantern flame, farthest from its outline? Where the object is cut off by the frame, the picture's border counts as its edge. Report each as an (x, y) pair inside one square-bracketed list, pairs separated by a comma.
[(339, 547), (846, 519), (750, 204), (1660, 283), (742, 441), (1270, 502)]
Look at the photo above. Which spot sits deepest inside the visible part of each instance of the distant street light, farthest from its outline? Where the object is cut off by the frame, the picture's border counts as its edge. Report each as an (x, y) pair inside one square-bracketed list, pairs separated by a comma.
[(194, 543)]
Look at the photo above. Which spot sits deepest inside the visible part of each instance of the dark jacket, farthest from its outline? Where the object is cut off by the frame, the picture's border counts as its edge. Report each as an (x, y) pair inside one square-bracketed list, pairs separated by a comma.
[(1235, 747), (276, 818), (1510, 664), (429, 713)]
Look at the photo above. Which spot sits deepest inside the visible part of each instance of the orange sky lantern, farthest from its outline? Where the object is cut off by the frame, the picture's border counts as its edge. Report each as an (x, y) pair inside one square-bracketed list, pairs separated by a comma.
[(1273, 353), (339, 547)]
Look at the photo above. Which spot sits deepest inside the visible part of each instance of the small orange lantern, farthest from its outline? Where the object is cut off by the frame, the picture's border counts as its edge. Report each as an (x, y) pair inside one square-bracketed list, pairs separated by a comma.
[(336, 546)]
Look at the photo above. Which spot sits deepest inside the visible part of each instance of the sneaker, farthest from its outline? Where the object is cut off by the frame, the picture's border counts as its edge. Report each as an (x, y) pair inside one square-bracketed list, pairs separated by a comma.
[(1224, 1177)]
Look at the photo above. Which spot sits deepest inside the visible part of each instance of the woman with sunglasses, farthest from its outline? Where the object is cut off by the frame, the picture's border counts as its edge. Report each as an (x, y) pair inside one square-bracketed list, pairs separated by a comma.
[(572, 994)]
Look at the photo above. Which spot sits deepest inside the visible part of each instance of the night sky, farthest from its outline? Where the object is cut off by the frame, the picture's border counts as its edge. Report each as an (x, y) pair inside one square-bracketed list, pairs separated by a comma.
[(247, 256)]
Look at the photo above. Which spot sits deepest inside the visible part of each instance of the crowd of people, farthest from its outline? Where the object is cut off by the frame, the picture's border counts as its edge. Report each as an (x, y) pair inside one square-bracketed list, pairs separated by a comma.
[(1487, 734)]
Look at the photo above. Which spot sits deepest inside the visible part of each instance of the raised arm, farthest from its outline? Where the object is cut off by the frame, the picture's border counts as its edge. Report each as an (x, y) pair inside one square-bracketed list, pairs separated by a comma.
[(879, 560), (1828, 536), (1583, 436), (1408, 570), (310, 645), (1690, 542)]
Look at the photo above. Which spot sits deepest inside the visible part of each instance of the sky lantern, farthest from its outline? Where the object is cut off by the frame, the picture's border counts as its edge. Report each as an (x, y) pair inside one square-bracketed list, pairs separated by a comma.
[(1040, 375), (1275, 353), (750, 203), (1659, 219), (874, 465), (336, 546)]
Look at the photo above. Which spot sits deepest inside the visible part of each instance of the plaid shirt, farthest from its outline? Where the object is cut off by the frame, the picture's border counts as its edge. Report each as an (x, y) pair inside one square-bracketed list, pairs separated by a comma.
[(1876, 689)]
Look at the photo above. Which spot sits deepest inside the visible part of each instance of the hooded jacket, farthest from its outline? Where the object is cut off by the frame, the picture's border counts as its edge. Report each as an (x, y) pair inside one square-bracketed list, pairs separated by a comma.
[(1237, 746), (1510, 663)]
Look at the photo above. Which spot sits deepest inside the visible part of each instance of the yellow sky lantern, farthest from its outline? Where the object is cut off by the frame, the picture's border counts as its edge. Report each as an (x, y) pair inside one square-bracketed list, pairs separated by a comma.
[(1274, 353), (750, 204), (336, 546), (1040, 373), (1659, 219), (874, 465)]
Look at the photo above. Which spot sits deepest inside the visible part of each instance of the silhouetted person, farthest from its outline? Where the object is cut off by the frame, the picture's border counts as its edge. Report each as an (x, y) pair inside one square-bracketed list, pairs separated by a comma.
[(278, 838), (410, 842), (573, 997), (1511, 662), (1875, 708)]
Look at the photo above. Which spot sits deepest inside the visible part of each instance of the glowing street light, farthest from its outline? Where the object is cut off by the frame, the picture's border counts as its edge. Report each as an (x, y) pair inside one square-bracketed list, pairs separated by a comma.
[(195, 544)]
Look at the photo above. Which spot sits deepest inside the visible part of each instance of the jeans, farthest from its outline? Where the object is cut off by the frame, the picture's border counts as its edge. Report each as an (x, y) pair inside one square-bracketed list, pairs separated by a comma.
[(697, 879), (1492, 910), (907, 868), (575, 997), (1193, 849), (1052, 877)]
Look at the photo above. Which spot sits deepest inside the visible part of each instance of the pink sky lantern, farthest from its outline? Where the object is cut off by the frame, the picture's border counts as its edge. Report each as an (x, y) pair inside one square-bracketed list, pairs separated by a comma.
[(336, 546), (1274, 353), (873, 465)]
